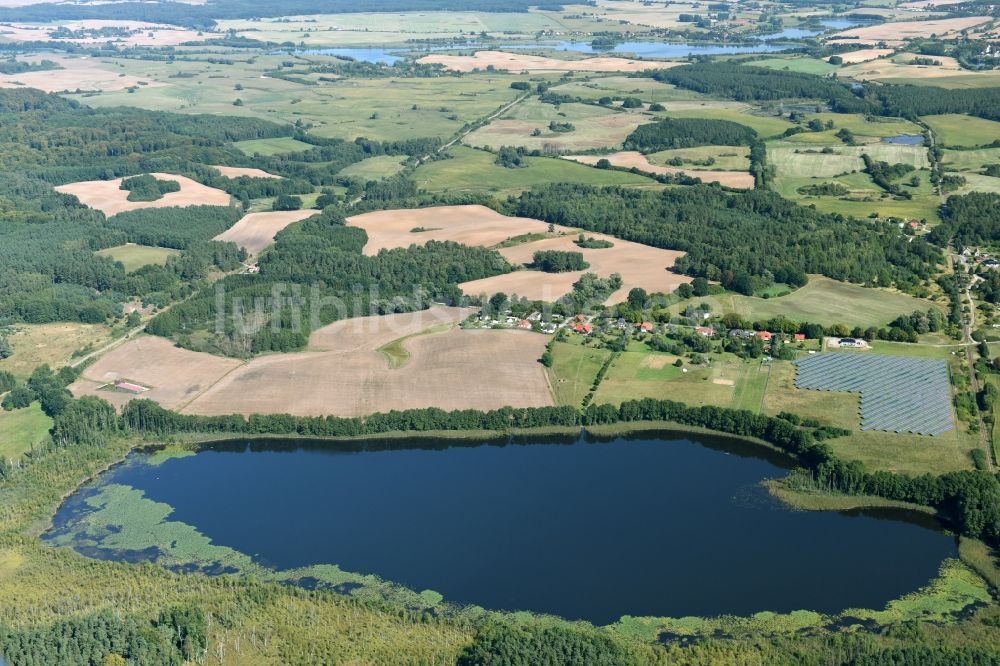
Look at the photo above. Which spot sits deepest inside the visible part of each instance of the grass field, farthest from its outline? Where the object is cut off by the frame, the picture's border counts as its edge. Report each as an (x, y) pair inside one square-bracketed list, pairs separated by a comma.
[(472, 170), (953, 129), (790, 159), (804, 65), (646, 89), (970, 160), (374, 168), (54, 344), (134, 256), (822, 301), (268, 147), (912, 454), (573, 370), (765, 125), (863, 126), (727, 158), (594, 127), (21, 430)]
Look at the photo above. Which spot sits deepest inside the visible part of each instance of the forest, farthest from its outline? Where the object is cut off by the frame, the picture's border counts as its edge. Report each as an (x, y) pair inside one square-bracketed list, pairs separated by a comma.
[(688, 132), (739, 238), (967, 220)]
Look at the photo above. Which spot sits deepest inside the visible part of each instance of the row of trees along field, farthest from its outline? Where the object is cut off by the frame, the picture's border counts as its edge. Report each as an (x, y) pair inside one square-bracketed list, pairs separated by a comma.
[(748, 83), (329, 277), (737, 237), (688, 132), (971, 499)]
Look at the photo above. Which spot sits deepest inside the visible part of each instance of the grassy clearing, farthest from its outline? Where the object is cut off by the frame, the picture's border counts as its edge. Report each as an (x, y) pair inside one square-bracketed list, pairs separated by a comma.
[(647, 375), (970, 160), (134, 257), (574, 368), (54, 344), (374, 168), (953, 129), (268, 147), (862, 125), (472, 170), (21, 430), (910, 454), (823, 301), (751, 387), (727, 158)]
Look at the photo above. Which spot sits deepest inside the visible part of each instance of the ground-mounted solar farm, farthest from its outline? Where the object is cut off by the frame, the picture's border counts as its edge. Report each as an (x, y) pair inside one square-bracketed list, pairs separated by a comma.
[(898, 394)]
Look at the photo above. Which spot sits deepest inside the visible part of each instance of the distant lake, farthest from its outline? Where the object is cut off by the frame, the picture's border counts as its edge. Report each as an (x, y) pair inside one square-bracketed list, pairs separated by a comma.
[(659, 524), (905, 139), (375, 55)]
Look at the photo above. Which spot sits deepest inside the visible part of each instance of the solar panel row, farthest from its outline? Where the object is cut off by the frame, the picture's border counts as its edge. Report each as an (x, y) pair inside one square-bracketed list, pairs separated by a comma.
[(898, 394)]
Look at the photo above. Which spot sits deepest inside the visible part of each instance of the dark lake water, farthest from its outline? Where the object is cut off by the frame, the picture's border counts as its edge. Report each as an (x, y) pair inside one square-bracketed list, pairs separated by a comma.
[(659, 524)]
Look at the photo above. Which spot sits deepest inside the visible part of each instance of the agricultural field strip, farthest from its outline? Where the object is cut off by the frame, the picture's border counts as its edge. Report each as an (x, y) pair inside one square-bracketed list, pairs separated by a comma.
[(898, 394)]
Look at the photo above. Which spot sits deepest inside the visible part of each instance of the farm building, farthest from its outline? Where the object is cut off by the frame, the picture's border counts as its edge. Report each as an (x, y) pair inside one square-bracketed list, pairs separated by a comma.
[(706, 331)]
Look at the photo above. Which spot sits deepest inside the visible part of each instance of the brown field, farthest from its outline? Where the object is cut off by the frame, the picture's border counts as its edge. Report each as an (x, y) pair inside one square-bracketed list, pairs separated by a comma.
[(630, 158), (80, 73), (146, 34), (469, 225), (236, 172), (256, 231), (864, 55), (451, 370), (367, 333), (522, 62), (174, 376), (639, 266), (891, 69), (896, 32), (54, 344), (105, 195)]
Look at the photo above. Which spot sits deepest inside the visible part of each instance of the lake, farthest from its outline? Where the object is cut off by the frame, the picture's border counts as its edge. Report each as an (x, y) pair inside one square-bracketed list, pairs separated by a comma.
[(905, 139), (657, 524)]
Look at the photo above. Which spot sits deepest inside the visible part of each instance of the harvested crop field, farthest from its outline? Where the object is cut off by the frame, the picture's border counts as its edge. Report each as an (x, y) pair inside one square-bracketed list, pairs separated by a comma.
[(469, 225), (452, 370), (864, 55), (107, 197), (639, 266), (521, 62), (606, 131), (367, 333), (236, 172), (256, 231), (81, 73), (895, 32), (174, 376), (141, 33), (631, 159)]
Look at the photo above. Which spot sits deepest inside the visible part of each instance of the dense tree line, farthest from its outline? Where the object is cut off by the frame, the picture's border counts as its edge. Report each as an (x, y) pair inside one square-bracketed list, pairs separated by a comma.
[(177, 228), (736, 238), (967, 220), (688, 132), (501, 643), (106, 639), (148, 188), (558, 261)]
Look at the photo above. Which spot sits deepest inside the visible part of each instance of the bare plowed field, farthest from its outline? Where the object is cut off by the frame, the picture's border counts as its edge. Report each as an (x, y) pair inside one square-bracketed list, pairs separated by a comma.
[(630, 158), (469, 225), (519, 62), (368, 333), (256, 231), (174, 375), (639, 266), (107, 197), (896, 32), (78, 73), (453, 370)]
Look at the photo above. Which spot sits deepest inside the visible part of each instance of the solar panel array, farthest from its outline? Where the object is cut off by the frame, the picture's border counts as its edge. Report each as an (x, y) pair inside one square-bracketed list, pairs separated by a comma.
[(898, 394)]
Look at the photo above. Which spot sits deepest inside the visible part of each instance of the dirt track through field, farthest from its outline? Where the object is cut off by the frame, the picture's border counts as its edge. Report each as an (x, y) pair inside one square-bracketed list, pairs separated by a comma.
[(107, 196), (629, 158)]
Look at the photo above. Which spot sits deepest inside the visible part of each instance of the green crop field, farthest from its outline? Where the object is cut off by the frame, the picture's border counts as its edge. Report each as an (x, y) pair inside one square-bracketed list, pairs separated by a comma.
[(953, 129), (136, 256), (268, 147), (21, 430), (795, 64), (374, 168), (472, 170), (823, 301), (727, 158)]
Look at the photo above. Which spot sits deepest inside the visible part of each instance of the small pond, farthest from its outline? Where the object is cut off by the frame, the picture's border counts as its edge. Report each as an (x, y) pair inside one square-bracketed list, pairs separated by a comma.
[(657, 524), (905, 139)]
